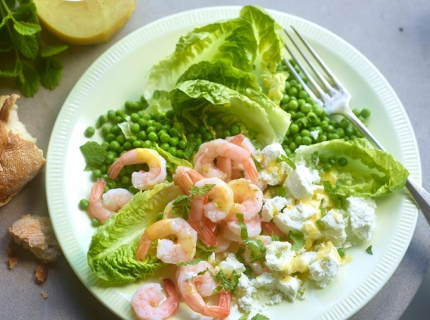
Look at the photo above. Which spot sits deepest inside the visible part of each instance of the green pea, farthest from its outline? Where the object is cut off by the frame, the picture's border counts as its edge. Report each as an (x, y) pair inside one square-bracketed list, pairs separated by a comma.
[(170, 114), (174, 141), (135, 128), (95, 223), (323, 158), (218, 127), (172, 151), (137, 144), (312, 117), (152, 136), (83, 204), (333, 160), (150, 129), (97, 173), (207, 136), (226, 133), (199, 141), (293, 105), (306, 108), (116, 130), (106, 130), (114, 145), (110, 137), (322, 138), (212, 121), (182, 144), (298, 140), (147, 144), (174, 132), (111, 184), (127, 145), (118, 119), (142, 135), (103, 119), (111, 114), (158, 126), (292, 146), (180, 154), (340, 132), (303, 94), (365, 113), (307, 141), (105, 145), (342, 162), (234, 129), (356, 111), (344, 123), (89, 132), (305, 133), (120, 139), (142, 123), (327, 167), (164, 137), (294, 128), (150, 123), (165, 146), (125, 180), (292, 91)]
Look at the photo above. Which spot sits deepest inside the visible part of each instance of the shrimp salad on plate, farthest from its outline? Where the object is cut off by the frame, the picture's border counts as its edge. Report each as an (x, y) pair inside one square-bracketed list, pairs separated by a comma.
[(230, 180)]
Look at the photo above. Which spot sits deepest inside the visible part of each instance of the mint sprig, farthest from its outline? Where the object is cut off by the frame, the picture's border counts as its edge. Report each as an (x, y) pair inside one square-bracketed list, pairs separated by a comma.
[(24, 56)]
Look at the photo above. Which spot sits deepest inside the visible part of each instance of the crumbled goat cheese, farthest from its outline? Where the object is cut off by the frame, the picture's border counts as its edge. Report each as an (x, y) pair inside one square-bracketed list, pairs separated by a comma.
[(334, 227), (231, 264), (362, 216), (301, 181), (294, 218), (190, 276), (272, 207), (289, 286), (326, 265), (274, 172)]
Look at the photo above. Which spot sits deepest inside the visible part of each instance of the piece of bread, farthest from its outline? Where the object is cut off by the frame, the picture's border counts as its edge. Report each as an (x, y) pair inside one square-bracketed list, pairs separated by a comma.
[(35, 233), (20, 158)]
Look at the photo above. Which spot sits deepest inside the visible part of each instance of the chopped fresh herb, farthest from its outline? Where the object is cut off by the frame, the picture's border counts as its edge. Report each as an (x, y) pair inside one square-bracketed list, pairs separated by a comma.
[(287, 160), (297, 237), (320, 224), (341, 252), (203, 252), (239, 254), (259, 317), (248, 271), (277, 191), (275, 237), (245, 316), (301, 291), (24, 56), (218, 205), (160, 217), (257, 164), (223, 281), (190, 263), (181, 206), (369, 250), (94, 154), (196, 191), (255, 246)]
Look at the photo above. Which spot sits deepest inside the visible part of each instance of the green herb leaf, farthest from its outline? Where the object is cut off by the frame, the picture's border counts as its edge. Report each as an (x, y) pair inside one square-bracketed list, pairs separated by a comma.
[(320, 224), (259, 317), (369, 250), (287, 160), (12, 69), (93, 153), (181, 206), (203, 252), (26, 28), (228, 284), (256, 247), (277, 191), (297, 237), (190, 263), (50, 70), (239, 254), (196, 191), (242, 225), (52, 50), (27, 45), (245, 316), (5, 19), (28, 81), (257, 164), (341, 252)]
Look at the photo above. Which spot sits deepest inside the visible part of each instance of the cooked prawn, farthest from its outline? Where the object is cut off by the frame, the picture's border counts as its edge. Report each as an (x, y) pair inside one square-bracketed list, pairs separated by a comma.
[(145, 301), (193, 287), (231, 229), (185, 177), (103, 206), (168, 251), (205, 228), (141, 180), (209, 151), (248, 199), (220, 199)]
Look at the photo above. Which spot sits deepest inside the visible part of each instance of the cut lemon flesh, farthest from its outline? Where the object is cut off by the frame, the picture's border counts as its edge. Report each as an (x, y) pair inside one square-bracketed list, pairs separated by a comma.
[(84, 21)]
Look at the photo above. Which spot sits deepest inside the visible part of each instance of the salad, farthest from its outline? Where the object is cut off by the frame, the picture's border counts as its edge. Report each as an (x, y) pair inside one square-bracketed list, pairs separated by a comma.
[(227, 173)]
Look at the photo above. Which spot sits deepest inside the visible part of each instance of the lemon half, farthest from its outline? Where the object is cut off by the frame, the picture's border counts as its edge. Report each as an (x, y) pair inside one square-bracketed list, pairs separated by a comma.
[(84, 21)]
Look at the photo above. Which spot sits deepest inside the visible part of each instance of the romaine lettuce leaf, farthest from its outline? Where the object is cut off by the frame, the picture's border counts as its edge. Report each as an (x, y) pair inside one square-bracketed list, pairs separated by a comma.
[(270, 51), (231, 39), (112, 251), (223, 72), (196, 99), (370, 172)]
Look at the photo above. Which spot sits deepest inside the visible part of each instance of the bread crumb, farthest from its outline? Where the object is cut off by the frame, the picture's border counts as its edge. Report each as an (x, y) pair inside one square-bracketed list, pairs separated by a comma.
[(13, 261), (35, 233), (44, 294), (10, 252), (41, 273)]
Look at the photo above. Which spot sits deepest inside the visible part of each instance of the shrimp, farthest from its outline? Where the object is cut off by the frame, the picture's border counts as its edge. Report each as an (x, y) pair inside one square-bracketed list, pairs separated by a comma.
[(193, 287), (248, 199), (184, 177), (145, 301), (220, 199), (141, 180), (103, 206), (167, 250), (231, 229), (204, 159), (242, 141)]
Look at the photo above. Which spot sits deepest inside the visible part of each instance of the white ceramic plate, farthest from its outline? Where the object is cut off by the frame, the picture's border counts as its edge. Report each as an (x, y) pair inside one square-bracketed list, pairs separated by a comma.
[(117, 76)]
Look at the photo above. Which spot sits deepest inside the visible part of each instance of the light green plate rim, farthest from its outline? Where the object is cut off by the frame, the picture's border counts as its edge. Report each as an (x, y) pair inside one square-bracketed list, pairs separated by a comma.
[(58, 189)]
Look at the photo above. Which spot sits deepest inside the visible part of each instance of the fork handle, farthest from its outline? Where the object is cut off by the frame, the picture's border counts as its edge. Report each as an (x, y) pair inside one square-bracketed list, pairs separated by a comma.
[(418, 193)]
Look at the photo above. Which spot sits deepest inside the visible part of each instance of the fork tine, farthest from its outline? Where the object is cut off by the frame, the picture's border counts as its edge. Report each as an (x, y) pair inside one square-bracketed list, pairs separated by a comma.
[(318, 59), (304, 85), (324, 82)]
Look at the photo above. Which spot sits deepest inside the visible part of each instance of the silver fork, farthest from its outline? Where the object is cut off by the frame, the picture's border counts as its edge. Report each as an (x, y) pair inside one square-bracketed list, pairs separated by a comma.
[(330, 94)]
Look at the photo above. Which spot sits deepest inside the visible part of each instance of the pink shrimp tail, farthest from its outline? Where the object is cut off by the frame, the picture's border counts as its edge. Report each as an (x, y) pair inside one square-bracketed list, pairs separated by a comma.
[(115, 169), (272, 229), (173, 299), (225, 300), (142, 248), (237, 139), (216, 312), (205, 233), (97, 191)]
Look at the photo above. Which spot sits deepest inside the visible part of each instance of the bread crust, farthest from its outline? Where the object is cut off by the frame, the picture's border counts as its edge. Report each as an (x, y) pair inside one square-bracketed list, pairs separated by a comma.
[(20, 159)]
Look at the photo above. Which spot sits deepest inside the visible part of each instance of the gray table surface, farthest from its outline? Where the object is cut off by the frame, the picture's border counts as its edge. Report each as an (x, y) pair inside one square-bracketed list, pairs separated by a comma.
[(393, 34)]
